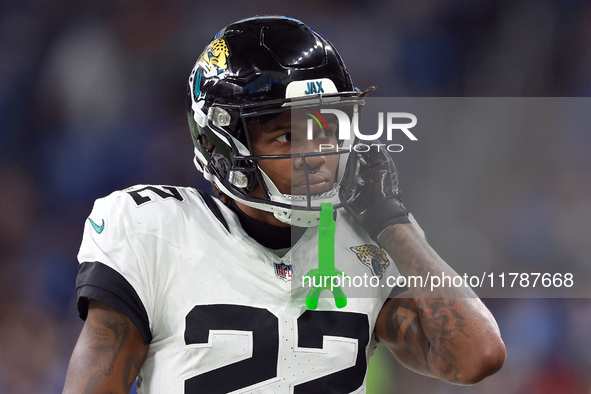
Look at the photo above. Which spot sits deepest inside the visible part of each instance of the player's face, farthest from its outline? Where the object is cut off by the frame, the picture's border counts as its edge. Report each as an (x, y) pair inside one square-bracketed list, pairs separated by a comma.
[(287, 134)]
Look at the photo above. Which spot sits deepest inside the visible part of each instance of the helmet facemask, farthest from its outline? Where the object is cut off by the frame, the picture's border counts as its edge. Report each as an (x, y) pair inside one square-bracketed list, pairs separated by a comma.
[(256, 179)]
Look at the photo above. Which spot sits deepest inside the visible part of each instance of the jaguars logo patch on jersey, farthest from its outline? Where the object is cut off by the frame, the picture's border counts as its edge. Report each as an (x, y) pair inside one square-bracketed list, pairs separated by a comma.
[(373, 257)]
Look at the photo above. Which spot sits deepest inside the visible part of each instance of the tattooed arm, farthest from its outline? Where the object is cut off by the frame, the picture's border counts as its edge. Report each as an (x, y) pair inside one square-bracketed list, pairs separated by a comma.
[(108, 355), (447, 333)]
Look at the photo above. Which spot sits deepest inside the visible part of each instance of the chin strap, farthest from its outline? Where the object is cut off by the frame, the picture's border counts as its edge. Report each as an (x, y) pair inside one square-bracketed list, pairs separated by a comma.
[(322, 277)]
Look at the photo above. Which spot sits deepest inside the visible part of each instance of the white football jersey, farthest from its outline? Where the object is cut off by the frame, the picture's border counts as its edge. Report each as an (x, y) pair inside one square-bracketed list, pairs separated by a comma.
[(221, 313)]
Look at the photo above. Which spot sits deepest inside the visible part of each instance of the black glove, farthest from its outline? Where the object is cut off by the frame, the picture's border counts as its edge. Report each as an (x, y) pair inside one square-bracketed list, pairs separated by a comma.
[(370, 191)]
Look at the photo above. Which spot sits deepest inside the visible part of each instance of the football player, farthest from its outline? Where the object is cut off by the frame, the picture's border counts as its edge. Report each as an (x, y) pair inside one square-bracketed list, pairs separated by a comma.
[(194, 294)]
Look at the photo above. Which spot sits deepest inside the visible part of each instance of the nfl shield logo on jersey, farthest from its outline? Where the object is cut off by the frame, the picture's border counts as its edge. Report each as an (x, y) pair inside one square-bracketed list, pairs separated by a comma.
[(283, 271)]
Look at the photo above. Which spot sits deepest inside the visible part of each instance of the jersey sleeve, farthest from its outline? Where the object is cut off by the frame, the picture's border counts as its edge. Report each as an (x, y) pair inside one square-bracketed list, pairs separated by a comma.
[(112, 264)]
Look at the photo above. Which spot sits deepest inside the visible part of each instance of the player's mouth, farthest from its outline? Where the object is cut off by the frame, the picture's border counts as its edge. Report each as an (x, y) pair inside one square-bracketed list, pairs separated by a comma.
[(319, 184)]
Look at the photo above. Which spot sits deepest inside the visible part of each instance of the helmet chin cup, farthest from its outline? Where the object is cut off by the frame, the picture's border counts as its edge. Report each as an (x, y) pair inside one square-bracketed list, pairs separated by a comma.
[(299, 214), (302, 217)]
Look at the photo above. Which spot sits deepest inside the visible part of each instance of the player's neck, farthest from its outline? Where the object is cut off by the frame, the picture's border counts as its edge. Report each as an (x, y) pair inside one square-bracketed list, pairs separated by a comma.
[(263, 216)]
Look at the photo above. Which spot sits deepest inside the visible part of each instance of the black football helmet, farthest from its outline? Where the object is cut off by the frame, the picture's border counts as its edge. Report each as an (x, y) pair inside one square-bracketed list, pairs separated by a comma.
[(254, 67)]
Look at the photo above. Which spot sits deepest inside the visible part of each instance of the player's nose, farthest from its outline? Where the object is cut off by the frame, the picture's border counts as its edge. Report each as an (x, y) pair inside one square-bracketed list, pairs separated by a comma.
[(308, 146), (311, 162)]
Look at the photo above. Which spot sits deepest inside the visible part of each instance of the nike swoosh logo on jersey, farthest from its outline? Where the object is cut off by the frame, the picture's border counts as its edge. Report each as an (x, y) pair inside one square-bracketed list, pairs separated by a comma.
[(96, 227)]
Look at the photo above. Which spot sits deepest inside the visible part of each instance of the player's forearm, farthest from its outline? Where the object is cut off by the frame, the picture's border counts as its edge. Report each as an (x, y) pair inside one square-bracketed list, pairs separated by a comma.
[(108, 355), (464, 340)]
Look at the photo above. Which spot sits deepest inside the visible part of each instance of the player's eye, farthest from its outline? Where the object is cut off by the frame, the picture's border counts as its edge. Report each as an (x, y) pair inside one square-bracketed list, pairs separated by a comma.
[(284, 138)]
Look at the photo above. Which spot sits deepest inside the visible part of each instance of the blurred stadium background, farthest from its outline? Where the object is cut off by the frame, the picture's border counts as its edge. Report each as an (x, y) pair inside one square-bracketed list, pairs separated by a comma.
[(92, 100)]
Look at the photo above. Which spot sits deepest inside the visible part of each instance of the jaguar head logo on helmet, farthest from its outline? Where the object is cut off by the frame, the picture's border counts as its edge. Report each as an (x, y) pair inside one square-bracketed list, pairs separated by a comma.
[(215, 56)]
